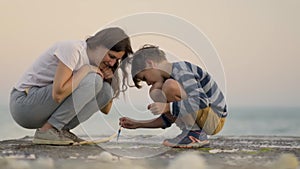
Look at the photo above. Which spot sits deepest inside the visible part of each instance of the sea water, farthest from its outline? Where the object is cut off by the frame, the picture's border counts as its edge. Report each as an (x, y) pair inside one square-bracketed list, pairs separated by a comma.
[(240, 121)]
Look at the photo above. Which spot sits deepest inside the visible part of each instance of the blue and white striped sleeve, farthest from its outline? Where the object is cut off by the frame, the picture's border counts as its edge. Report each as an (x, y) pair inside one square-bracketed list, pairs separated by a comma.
[(196, 97)]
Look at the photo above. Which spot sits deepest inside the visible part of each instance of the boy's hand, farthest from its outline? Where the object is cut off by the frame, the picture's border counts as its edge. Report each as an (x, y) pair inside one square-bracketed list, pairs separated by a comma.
[(128, 123), (159, 108)]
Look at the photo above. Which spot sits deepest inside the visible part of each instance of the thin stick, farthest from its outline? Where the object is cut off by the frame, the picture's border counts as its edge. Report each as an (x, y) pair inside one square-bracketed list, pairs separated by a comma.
[(119, 132), (103, 140)]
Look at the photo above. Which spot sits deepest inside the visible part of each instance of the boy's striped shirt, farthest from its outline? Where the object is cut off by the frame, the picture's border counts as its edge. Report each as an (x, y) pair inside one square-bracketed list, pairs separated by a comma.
[(201, 89)]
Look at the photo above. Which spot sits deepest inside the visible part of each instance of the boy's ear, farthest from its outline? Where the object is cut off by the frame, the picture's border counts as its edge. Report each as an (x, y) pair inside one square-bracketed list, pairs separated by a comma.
[(149, 63)]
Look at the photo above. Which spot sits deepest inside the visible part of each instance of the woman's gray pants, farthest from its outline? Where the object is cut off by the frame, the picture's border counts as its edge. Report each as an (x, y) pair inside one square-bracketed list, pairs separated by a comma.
[(34, 109)]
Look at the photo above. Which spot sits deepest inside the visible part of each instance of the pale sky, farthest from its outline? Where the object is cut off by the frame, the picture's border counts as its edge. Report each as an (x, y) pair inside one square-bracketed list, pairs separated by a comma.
[(258, 41)]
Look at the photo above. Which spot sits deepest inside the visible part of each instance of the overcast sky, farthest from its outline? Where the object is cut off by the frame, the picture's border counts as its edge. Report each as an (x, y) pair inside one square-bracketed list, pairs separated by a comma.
[(258, 41)]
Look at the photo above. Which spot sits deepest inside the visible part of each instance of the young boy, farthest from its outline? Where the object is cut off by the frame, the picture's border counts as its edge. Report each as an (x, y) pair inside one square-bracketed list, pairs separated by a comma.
[(183, 94)]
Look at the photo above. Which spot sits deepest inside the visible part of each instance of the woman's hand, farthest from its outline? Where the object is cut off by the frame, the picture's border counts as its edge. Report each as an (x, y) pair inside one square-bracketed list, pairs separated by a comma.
[(66, 80), (128, 123), (93, 69), (107, 73)]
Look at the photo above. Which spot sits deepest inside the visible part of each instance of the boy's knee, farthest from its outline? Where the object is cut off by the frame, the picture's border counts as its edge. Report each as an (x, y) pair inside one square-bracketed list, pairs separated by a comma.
[(172, 90), (169, 85)]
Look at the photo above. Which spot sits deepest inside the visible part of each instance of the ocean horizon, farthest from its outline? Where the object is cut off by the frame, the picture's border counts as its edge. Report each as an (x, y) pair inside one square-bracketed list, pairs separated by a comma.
[(241, 121)]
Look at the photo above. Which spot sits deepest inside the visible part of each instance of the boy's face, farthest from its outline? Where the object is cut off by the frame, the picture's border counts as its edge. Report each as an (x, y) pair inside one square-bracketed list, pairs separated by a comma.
[(150, 76)]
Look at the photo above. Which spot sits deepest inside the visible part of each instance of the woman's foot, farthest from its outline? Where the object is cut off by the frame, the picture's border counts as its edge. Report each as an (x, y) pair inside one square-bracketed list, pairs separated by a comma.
[(72, 136), (51, 136)]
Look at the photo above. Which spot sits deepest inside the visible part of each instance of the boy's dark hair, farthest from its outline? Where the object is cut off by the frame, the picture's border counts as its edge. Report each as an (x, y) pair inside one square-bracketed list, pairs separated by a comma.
[(117, 40), (139, 58)]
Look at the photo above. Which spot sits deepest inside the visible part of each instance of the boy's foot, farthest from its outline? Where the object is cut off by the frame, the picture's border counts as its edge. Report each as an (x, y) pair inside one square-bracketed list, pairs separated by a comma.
[(188, 139), (72, 136), (51, 136)]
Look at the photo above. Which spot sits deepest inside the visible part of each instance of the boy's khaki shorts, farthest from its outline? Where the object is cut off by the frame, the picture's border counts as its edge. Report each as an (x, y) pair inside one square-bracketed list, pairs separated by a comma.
[(209, 121)]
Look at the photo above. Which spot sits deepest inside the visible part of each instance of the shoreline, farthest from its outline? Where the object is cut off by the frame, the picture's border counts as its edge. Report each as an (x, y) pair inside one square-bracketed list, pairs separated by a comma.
[(224, 152)]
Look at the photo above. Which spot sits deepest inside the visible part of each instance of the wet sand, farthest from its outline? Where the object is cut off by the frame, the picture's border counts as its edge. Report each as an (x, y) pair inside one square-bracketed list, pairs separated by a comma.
[(224, 152)]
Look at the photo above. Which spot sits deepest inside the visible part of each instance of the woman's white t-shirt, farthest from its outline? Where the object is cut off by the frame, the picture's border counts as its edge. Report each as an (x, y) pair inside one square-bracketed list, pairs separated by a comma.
[(41, 73)]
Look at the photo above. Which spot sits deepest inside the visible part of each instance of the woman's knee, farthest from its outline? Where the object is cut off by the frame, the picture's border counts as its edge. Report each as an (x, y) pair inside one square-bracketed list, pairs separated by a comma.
[(92, 80)]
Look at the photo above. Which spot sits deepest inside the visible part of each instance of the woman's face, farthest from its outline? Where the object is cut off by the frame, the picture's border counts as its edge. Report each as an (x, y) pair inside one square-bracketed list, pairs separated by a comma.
[(104, 58), (110, 58)]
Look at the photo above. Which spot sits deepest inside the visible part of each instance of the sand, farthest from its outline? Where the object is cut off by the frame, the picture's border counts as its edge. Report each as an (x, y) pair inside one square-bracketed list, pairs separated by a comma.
[(224, 152)]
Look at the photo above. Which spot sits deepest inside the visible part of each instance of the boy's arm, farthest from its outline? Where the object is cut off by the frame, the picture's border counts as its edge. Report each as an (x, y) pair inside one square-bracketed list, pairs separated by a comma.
[(162, 121), (134, 124)]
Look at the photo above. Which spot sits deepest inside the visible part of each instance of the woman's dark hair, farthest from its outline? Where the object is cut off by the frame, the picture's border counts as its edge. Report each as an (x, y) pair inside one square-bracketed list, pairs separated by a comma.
[(117, 40)]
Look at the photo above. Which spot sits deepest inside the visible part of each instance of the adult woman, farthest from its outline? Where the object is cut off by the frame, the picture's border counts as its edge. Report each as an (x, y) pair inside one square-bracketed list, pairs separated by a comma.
[(69, 83)]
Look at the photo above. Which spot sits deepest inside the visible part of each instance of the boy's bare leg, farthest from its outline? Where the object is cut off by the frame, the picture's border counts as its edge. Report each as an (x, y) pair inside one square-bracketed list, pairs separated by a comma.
[(173, 91), (156, 93), (157, 96), (169, 91)]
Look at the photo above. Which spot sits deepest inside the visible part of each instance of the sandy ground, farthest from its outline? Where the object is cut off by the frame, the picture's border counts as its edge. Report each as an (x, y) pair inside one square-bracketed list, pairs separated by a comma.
[(224, 152)]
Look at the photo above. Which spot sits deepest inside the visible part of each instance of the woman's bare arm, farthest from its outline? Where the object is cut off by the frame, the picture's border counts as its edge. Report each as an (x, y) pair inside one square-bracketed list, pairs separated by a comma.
[(66, 81)]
